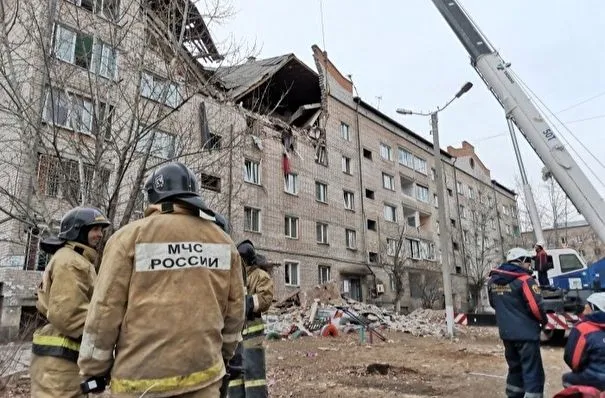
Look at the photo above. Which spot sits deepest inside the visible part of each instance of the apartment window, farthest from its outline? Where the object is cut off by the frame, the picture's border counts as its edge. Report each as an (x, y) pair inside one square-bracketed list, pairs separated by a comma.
[(213, 142), (436, 200), (459, 188), (321, 192), (391, 247), (321, 155), (73, 47), (160, 90), (344, 131), (291, 273), (371, 225), (433, 174), (68, 110), (390, 213), (104, 60), (420, 165), (373, 257), (437, 228), (251, 219), (321, 230), (471, 192), (291, 227), (508, 229), (291, 183), (412, 220), (104, 121), (346, 165), (351, 239), (211, 183), (370, 194), (505, 210), (422, 193), (110, 9), (427, 250), (252, 171), (60, 178), (453, 222), (455, 245), (163, 145), (324, 274), (388, 181), (386, 152), (367, 154), (450, 192), (413, 247), (349, 200), (462, 211), (406, 158)]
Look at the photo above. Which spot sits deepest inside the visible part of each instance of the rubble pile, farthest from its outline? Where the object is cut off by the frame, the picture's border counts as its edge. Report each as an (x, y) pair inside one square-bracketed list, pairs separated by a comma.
[(311, 312)]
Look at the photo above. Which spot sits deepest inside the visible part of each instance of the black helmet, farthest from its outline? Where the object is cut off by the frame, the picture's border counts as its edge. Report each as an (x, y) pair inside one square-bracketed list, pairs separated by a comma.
[(74, 226), (174, 181), (222, 222), (247, 252)]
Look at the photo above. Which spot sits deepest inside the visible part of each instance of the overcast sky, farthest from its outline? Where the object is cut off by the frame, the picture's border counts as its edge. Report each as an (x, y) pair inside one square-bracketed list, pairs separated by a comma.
[(404, 52)]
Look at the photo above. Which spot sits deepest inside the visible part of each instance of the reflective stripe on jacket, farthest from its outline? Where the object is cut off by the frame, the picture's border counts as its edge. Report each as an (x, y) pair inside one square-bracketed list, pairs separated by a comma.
[(63, 299)]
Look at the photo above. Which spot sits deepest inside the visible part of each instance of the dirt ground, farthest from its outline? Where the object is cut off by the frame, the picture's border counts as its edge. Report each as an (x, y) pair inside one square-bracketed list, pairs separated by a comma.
[(473, 365)]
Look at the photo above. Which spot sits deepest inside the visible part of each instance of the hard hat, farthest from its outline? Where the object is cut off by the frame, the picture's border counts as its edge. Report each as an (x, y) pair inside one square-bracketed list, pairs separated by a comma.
[(247, 252), (597, 300), (175, 181), (517, 253), (73, 225), (540, 243)]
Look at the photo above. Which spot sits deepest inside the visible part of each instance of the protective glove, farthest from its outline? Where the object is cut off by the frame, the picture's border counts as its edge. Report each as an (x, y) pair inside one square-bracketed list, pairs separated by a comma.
[(94, 384)]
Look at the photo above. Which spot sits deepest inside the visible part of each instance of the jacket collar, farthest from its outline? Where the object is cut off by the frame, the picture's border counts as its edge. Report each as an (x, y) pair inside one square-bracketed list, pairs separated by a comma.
[(85, 251), (176, 208)]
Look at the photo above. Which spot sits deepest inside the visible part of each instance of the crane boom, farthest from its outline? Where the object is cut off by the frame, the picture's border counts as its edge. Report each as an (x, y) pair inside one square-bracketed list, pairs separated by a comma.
[(518, 107)]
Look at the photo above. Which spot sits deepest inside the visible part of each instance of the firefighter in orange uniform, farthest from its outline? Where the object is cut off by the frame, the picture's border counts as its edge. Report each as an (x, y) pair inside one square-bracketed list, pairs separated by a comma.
[(63, 300), (169, 299)]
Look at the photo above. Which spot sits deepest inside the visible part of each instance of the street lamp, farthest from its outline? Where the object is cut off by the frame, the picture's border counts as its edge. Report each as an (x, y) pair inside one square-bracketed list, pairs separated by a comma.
[(444, 236)]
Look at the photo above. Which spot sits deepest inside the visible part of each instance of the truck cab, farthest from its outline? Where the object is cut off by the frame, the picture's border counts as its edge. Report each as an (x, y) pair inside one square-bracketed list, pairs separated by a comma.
[(569, 269)]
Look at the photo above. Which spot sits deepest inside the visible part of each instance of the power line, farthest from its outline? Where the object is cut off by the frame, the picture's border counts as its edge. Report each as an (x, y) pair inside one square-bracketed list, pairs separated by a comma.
[(582, 102), (323, 32), (586, 119)]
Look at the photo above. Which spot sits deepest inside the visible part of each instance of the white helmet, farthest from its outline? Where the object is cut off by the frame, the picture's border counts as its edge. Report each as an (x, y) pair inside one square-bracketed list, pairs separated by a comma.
[(517, 253), (540, 243), (597, 300)]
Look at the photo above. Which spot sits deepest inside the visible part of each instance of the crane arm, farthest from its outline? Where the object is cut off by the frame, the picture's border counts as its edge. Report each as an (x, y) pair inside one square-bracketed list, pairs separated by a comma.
[(518, 107)]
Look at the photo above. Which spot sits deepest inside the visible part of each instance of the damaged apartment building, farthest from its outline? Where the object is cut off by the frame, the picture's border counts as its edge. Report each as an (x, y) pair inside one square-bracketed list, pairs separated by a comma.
[(323, 183)]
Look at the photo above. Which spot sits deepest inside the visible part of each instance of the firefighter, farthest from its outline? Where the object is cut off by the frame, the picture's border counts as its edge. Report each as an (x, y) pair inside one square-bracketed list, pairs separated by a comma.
[(247, 368), (585, 349), (542, 265), (169, 299), (63, 300), (517, 299)]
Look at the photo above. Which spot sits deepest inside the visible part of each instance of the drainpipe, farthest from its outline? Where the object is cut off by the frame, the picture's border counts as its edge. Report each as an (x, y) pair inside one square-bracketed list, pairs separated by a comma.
[(461, 235)]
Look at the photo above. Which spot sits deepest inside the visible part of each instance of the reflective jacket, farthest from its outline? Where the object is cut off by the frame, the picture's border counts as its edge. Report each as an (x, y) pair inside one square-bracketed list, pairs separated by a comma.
[(63, 299), (585, 352), (517, 299), (170, 300), (260, 292)]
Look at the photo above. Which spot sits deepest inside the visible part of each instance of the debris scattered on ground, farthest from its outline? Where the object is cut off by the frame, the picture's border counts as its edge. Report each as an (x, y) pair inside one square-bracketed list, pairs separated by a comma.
[(313, 311)]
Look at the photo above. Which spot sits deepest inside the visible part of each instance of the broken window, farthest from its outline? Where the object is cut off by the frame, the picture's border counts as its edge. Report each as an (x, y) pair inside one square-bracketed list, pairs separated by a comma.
[(371, 225), (321, 155), (349, 200), (252, 172), (369, 194), (211, 183), (373, 257), (367, 154)]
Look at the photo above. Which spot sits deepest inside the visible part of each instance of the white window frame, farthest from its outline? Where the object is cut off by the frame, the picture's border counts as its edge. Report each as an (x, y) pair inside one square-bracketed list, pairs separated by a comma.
[(386, 152), (163, 145), (388, 181), (104, 60), (345, 131), (321, 192), (348, 199), (78, 110), (436, 200), (291, 227), (291, 183), (420, 165), (422, 193), (406, 158), (413, 248), (252, 172), (160, 89), (346, 165), (250, 214), (351, 239), (324, 273), (288, 265), (391, 247), (321, 232), (392, 209), (460, 188)]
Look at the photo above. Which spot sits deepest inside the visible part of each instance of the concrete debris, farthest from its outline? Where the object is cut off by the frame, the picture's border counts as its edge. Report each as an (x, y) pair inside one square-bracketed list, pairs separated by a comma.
[(305, 313)]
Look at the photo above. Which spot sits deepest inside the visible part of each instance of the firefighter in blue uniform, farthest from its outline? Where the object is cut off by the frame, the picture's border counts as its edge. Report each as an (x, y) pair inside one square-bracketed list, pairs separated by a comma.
[(585, 349), (517, 299)]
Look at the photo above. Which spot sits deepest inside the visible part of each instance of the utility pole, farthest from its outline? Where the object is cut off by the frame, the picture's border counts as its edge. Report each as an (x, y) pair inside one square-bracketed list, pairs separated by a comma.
[(444, 235)]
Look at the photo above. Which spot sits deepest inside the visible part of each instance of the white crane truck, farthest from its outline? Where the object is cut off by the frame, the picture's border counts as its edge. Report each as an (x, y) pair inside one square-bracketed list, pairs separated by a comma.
[(570, 275)]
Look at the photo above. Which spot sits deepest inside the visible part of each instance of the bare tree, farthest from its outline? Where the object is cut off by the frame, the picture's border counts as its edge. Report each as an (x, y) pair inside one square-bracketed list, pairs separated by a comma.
[(393, 258), (94, 95), (431, 290)]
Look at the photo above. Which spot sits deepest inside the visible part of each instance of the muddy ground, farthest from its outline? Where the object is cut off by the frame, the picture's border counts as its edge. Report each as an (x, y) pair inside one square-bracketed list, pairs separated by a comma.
[(471, 366)]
